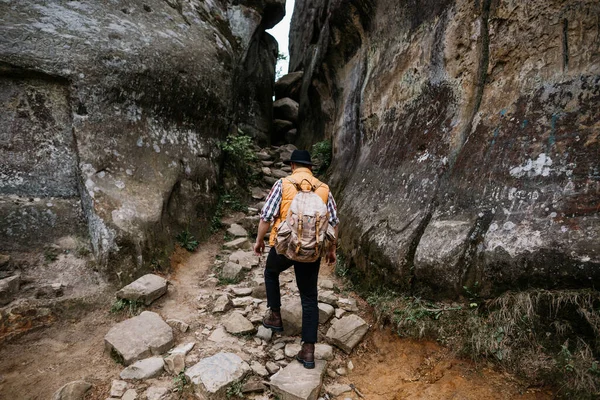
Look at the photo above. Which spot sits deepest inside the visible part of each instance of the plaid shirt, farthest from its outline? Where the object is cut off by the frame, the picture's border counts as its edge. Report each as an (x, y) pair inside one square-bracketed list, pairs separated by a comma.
[(273, 202)]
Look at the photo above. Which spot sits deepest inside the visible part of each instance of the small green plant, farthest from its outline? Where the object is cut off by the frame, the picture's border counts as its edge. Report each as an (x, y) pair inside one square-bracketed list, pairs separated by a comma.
[(322, 152), (181, 384), (235, 390), (133, 307), (238, 147), (187, 241), (341, 268), (228, 281)]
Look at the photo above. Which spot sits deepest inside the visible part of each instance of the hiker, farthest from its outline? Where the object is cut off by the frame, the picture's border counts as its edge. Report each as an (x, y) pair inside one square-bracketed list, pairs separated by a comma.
[(292, 201)]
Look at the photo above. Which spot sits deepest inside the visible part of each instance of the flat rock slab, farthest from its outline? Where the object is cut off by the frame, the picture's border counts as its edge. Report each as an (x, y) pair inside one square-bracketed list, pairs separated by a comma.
[(246, 259), (295, 382), (144, 369), (140, 337), (347, 332), (237, 231), (241, 243), (214, 374), (241, 291), (145, 289), (237, 324), (72, 391)]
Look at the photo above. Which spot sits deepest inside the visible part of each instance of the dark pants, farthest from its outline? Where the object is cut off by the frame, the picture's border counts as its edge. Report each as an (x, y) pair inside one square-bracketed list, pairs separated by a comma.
[(307, 275)]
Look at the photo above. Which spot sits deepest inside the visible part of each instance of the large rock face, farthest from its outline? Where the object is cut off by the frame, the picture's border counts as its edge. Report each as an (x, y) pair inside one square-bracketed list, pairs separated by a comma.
[(111, 117), (465, 137)]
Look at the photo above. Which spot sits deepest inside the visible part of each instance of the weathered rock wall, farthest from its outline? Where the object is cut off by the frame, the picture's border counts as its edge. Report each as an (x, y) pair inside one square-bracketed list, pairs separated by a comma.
[(111, 115), (466, 137)]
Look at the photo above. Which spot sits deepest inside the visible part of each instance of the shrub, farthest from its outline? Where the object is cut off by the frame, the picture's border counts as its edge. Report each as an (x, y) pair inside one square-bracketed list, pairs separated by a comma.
[(187, 241), (322, 153)]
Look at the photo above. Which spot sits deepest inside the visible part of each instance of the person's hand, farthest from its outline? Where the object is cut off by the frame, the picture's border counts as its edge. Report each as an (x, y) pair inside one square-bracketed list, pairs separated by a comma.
[(259, 246), (331, 256)]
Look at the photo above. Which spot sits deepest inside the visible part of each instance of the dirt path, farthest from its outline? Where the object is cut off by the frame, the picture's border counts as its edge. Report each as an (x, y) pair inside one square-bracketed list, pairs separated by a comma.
[(386, 367)]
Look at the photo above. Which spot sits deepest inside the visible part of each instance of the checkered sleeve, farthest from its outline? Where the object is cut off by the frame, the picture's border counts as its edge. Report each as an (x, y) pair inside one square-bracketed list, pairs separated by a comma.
[(332, 209), (271, 208)]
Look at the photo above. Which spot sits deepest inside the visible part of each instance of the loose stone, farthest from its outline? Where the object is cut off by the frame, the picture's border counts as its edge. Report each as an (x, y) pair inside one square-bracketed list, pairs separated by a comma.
[(144, 369), (145, 289)]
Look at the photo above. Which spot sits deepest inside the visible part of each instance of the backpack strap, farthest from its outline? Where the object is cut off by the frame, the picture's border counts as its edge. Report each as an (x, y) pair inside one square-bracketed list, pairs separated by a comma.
[(298, 186)]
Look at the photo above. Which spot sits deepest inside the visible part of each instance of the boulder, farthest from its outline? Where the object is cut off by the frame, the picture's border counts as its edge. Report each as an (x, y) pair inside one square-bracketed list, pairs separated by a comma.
[(145, 289), (286, 109), (213, 374), (143, 369), (280, 128), (291, 315), (294, 382), (328, 297), (472, 205), (289, 86), (72, 391), (232, 271), (278, 173), (237, 231), (347, 332), (240, 243), (139, 337), (124, 127), (9, 287), (325, 312), (236, 324)]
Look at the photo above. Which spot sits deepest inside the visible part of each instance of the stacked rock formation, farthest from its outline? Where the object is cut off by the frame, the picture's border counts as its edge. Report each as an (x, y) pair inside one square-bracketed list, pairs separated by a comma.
[(285, 108)]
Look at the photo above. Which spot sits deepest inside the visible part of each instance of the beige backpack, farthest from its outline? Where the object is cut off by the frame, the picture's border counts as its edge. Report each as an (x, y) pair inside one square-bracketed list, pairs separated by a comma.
[(305, 232)]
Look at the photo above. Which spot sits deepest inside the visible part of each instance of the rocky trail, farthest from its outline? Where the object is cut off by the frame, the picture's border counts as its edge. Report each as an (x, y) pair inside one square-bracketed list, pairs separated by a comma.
[(197, 333)]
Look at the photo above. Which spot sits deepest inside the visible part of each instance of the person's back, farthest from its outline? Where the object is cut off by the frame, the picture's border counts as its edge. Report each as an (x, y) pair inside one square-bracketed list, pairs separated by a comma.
[(281, 208)]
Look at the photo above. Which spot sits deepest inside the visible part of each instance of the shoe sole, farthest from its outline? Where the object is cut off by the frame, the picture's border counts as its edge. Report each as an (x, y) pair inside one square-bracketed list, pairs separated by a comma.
[(307, 364), (273, 328)]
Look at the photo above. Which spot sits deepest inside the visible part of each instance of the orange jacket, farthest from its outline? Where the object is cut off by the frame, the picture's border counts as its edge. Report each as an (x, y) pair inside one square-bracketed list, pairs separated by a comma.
[(302, 176)]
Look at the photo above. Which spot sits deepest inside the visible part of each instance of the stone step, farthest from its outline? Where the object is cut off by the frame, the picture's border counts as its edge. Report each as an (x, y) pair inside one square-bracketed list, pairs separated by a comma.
[(294, 382)]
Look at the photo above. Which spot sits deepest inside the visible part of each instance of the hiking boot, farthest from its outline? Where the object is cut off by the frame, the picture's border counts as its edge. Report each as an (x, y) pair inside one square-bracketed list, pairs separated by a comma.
[(306, 355), (273, 321)]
